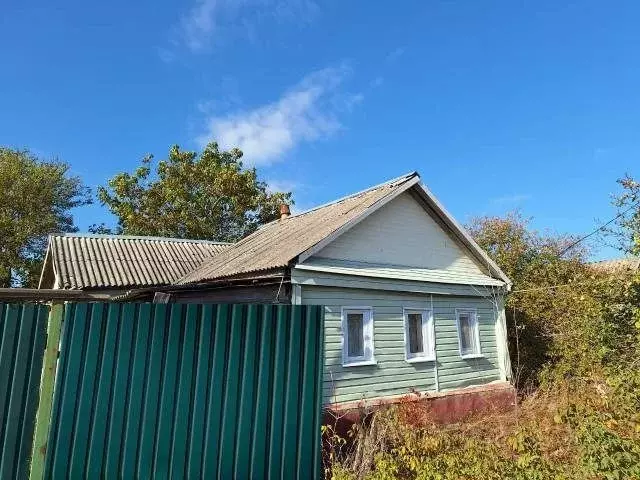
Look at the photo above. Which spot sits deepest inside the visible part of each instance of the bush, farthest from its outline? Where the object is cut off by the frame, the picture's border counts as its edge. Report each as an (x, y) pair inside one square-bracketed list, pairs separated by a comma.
[(575, 347), (584, 429)]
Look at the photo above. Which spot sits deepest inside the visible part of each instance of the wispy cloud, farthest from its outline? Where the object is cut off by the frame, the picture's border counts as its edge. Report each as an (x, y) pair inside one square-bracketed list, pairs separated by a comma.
[(509, 200), (198, 26), (304, 113), (275, 185), (207, 19)]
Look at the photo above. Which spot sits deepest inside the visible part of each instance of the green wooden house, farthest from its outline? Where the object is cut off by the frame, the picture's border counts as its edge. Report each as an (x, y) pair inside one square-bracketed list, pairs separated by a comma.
[(412, 303)]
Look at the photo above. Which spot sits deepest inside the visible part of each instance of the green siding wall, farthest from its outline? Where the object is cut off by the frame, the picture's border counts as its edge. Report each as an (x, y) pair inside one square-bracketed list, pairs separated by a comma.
[(393, 375)]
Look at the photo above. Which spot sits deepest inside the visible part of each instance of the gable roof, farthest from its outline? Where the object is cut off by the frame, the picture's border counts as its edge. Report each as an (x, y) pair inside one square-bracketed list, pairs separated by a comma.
[(279, 244), (80, 261)]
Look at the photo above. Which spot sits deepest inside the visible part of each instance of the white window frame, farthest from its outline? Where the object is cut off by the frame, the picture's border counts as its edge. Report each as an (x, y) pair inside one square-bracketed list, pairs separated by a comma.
[(428, 336), (367, 329), (477, 353)]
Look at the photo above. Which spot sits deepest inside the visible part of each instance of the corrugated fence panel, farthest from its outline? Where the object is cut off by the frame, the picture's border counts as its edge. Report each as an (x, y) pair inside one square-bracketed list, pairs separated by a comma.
[(188, 391), (22, 340)]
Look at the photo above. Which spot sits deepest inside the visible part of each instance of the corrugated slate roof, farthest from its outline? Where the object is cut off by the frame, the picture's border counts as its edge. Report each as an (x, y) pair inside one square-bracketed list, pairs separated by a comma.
[(631, 264), (103, 261), (277, 243)]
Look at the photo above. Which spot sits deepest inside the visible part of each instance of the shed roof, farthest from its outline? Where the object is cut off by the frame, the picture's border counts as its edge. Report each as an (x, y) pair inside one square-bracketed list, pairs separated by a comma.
[(282, 242), (618, 265), (80, 261)]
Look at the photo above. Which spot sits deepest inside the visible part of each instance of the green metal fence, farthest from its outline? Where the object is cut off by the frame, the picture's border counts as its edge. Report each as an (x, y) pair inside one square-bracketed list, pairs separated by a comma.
[(22, 339), (187, 391)]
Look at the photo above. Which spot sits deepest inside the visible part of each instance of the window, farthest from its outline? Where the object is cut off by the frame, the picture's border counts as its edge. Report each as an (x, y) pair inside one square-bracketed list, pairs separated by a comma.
[(419, 336), (468, 334), (357, 332)]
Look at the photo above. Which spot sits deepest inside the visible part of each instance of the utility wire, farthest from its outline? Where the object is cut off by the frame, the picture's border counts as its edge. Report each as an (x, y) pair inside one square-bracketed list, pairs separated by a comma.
[(581, 239), (597, 230)]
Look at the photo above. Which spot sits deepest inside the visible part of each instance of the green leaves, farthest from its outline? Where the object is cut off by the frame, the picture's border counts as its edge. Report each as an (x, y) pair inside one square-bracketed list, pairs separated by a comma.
[(208, 196), (36, 198)]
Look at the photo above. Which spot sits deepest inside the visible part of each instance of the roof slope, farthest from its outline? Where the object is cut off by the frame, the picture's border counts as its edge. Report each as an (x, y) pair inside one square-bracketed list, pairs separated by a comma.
[(102, 261), (281, 242), (618, 265)]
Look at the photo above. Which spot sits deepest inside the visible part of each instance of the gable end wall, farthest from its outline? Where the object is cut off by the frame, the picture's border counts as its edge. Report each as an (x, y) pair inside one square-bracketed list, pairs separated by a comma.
[(402, 233)]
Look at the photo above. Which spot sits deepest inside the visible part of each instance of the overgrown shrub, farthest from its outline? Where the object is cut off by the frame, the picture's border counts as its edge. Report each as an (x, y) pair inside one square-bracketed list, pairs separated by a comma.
[(575, 349), (584, 429)]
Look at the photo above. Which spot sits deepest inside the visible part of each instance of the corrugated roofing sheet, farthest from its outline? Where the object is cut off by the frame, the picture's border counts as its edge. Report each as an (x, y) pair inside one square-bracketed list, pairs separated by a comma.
[(279, 242), (631, 264), (103, 261), (362, 269)]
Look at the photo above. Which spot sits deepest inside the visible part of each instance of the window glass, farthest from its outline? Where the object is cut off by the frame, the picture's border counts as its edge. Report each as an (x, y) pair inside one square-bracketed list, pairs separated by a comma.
[(468, 333), (416, 342), (419, 336), (355, 334)]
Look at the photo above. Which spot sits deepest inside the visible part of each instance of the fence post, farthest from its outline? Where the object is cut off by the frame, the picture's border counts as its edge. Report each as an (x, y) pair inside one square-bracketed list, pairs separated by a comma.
[(47, 382)]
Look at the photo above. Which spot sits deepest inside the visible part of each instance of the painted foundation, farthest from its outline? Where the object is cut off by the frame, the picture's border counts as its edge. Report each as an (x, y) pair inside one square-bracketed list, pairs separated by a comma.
[(443, 407)]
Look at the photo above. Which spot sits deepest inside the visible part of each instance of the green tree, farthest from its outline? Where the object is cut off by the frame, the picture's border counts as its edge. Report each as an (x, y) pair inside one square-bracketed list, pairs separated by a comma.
[(540, 308), (626, 229), (190, 195), (36, 198)]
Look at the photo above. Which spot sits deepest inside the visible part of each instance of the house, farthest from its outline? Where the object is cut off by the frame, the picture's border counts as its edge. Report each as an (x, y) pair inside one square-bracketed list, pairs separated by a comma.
[(412, 303)]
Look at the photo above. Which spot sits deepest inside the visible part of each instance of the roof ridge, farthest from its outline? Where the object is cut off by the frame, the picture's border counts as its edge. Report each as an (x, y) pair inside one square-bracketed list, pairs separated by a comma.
[(135, 237), (393, 181)]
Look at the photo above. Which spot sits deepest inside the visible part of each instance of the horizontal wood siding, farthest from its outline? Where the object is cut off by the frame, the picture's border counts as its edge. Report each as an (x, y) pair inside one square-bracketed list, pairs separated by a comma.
[(392, 375), (403, 233)]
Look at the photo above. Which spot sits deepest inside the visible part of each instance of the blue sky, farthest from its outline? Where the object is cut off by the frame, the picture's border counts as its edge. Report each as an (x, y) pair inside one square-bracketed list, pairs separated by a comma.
[(498, 104)]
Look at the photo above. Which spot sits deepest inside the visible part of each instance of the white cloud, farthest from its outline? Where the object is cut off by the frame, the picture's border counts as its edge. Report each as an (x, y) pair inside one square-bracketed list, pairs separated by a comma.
[(199, 24), (274, 185), (208, 18), (304, 113), (516, 198)]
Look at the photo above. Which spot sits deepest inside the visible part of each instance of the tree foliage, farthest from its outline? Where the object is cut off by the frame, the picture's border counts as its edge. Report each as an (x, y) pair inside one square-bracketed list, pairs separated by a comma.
[(36, 198), (208, 195), (575, 348), (626, 230), (544, 286)]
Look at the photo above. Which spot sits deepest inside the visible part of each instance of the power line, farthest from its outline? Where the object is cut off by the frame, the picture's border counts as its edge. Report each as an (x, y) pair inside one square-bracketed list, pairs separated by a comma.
[(597, 230), (565, 250)]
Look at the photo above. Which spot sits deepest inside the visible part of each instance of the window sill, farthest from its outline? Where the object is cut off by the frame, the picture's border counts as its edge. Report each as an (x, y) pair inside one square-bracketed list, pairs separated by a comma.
[(360, 363), (420, 359), (471, 355)]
